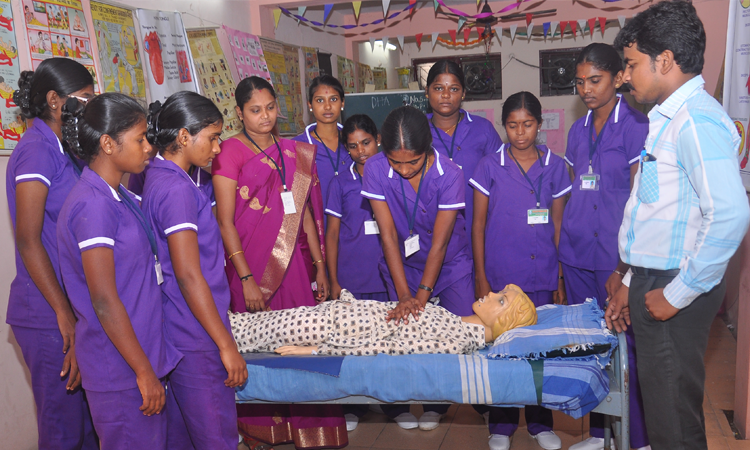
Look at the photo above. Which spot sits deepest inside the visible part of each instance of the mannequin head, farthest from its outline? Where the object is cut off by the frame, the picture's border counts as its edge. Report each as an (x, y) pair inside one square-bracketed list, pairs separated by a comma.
[(505, 310)]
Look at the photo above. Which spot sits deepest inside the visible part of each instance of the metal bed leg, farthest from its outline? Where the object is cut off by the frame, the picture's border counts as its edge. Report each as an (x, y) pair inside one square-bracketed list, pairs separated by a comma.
[(607, 432)]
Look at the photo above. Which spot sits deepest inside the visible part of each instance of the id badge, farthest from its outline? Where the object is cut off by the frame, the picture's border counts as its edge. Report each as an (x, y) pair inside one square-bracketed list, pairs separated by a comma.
[(371, 227), (535, 216), (590, 182), (159, 275), (287, 198), (411, 245)]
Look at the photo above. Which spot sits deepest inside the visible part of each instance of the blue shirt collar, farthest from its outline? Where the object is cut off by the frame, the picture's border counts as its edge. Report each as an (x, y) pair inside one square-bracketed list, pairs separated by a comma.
[(674, 102)]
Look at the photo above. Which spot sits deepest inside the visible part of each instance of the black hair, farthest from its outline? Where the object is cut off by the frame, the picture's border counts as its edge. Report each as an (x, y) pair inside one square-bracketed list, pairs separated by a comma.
[(324, 80), (83, 125), (408, 128), (61, 75), (446, 66), (359, 122), (184, 109), (602, 56), (248, 86), (522, 100), (667, 25)]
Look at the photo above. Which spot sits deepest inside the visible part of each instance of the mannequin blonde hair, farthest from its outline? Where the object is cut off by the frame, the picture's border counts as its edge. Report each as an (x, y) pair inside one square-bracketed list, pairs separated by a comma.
[(521, 313)]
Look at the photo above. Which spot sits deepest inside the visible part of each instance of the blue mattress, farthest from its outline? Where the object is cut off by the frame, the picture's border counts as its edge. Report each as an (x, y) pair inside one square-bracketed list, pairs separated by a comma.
[(574, 387)]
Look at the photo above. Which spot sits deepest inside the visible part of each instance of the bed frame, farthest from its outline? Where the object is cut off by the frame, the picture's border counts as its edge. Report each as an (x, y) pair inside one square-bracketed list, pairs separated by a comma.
[(615, 407)]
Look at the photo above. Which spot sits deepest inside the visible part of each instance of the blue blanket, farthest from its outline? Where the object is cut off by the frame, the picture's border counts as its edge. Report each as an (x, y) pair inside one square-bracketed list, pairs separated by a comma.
[(577, 331)]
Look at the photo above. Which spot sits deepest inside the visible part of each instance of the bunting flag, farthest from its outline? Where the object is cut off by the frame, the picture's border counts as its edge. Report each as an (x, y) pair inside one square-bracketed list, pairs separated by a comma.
[(276, 17), (385, 43), (372, 44), (301, 10), (592, 25), (478, 2), (621, 19), (480, 31), (545, 29), (552, 28), (573, 28), (386, 4), (419, 40), (437, 5), (481, 15), (529, 29), (357, 6), (327, 11), (467, 32), (529, 16), (582, 27), (315, 23), (602, 24), (563, 25), (499, 35), (412, 3), (434, 39), (513, 32), (401, 42), (453, 35), (461, 22)]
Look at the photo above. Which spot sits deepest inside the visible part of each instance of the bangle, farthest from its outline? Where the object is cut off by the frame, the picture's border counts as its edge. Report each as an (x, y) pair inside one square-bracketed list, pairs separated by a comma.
[(235, 254), (426, 288), (246, 277), (619, 273), (315, 262)]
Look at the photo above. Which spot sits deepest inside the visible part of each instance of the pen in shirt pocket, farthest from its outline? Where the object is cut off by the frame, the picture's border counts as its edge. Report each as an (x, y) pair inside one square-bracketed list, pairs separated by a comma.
[(646, 157)]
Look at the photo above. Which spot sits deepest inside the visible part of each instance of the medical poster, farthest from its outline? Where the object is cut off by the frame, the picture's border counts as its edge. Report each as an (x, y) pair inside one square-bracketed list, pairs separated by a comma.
[(294, 96), (119, 51), (168, 62), (248, 54), (364, 76), (346, 74), (282, 78), (312, 69), (553, 130), (737, 79), (215, 77), (58, 28), (12, 124)]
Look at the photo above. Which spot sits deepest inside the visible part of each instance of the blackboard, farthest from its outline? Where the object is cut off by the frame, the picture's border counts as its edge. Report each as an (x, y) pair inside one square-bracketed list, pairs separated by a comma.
[(377, 105)]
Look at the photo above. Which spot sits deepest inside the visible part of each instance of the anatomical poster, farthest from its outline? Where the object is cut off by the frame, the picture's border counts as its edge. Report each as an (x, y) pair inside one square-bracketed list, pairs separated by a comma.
[(119, 51), (169, 64), (11, 123), (58, 28)]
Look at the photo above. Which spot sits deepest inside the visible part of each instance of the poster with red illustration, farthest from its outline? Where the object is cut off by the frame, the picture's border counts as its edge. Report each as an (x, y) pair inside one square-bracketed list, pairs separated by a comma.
[(58, 28), (169, 65)]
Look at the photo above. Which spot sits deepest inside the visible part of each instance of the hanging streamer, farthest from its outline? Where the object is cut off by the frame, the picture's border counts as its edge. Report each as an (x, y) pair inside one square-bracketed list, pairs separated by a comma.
[(327, 11)]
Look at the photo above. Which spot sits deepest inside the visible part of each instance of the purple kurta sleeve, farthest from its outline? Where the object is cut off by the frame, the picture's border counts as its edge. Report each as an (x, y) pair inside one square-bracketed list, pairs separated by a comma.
[(176, 211), (452, 191), (94, 224), (30, 166), (634, 140), (372, 187), (334, 206), (561, 184), (482, 179)]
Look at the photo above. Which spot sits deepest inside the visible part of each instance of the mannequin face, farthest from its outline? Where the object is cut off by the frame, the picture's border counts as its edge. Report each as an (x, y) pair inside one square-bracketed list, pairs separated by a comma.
[(495, 304)]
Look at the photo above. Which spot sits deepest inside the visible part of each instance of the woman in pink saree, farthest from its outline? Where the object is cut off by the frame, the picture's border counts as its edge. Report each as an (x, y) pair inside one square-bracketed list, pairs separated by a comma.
[(270, 211)]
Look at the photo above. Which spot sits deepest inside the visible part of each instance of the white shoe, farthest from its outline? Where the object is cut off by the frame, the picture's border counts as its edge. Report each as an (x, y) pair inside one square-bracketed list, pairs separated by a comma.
[(351, 422), (592, 443), (548, 440), (429, 420), (499, 442), (407, 421)]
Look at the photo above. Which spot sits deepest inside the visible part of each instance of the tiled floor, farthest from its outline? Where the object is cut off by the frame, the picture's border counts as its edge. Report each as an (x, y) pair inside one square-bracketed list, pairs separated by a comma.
[(463, 428)]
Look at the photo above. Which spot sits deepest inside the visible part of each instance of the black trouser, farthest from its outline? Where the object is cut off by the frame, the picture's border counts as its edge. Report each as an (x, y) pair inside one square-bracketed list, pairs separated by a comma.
[(670, 365)]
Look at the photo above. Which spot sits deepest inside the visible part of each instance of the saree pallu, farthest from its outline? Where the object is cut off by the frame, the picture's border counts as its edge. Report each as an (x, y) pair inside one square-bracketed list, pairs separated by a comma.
[(278, 254)]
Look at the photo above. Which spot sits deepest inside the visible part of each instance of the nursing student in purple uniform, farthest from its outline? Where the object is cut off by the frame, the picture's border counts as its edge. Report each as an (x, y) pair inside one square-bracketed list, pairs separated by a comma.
[(518, 208), (201, 411), (39, 176), (325, 99), (112, 273), (417, 195), (199, 175), (463, 138), (603, 152)]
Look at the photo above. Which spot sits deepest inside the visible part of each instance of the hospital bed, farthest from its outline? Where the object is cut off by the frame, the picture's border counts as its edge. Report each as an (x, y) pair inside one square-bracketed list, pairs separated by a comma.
[(572, 386)]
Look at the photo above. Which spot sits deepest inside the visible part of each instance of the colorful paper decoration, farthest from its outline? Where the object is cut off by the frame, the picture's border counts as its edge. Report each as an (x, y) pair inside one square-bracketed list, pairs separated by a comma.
[(467, 32), (326, 11), (436, 6), (434, 39), (563, 25), (386, 4), (412, 3), (529, 29), (276, 17), (602, 24), (463, 44), (400, 42), (499, 35), (372, 44), (385, 43), (592, 25), (453, 35), (552, 27), (480, 15), (529, 16), (582, 27), (573, 26), (545, 29), (357, 6), (419, 40), (513, 29), (621, 20), (461, 22)]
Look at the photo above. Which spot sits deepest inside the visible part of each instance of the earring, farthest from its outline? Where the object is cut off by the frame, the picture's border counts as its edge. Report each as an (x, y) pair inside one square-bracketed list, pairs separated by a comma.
[(54, 106), (310, 109), (342, 109)]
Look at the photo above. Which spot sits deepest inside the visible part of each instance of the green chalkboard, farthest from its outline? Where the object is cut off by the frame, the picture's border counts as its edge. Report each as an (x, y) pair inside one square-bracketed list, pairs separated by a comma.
[(377, 105)]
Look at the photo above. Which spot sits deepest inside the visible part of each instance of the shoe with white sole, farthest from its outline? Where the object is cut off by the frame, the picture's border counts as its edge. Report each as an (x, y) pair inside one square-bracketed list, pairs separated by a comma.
[(407, 421), (548, 440), (592, 443), (429, 420), (499, 442), (351, 422)]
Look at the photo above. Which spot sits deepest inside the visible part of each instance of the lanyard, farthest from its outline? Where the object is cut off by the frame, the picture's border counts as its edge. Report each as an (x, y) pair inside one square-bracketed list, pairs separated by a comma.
[(594, 144), (538, 190), (328, 151), (282, 170), (135, 209), (453, 139), (413, 217)]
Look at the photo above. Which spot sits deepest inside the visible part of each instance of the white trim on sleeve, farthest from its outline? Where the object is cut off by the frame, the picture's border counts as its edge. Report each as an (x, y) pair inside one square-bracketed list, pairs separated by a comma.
[(563, 192), (453, 206), (97, 240), (481, 188), (182, 226), (34, 176), (372, 196), (568, 161), (333, 213), (634, 160)]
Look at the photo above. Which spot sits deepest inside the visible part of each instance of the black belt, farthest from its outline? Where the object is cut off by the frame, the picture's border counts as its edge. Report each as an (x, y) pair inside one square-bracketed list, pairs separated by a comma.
[(642, 271)]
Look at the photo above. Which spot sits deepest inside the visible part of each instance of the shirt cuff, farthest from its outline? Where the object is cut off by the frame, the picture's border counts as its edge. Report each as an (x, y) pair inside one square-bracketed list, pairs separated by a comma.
[(627, 277), (679, 294)]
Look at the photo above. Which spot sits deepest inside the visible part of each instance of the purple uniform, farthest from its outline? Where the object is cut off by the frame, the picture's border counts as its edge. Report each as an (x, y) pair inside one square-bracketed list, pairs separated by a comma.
[(516, 252), (474, 138), (63, 419), (94, 215), (443, 188), (201, 177), (200, 408), (329, 163), (588, 239), (359, 253)]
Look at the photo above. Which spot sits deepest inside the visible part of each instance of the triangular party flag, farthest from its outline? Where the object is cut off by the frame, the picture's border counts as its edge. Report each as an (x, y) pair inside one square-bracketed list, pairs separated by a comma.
[(453, 35), (573, 28), (372, 44), (592, 25), (437, 5), (621, 19), (478, 2), (418, 37), (385, 43), (357, 6), (414, 8), (529, 29), (467, 32), (276, 17), (327, 11), (434, 39), (513, 32), (602, 24), (480, 31), (552, 28), (301, 10), (529, 16), (400, 42), (563, 25), (461, 22), (386, 4), (545, 29), (582, 27), (499, 35)]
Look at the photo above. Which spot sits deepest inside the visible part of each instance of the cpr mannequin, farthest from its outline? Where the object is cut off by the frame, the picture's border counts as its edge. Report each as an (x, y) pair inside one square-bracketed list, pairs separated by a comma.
[(359, 327)]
